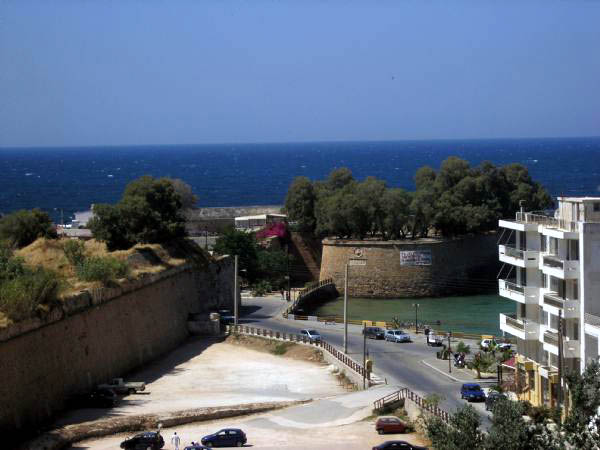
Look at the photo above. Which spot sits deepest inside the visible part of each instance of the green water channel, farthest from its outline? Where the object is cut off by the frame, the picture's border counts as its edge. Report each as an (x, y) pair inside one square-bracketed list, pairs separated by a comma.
[(477, 314)]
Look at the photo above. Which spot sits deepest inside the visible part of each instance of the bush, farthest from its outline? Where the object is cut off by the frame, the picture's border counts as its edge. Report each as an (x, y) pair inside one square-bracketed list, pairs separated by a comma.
[(281, 348), (74, 251), (21, 228), (21, 296), (461, 347), (103, 269), (261, 288)]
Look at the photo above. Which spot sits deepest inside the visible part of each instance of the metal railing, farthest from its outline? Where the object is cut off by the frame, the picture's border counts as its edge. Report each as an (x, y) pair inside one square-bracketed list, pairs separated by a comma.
[(554, 261), (554, 300), (512, 321), (547, 221), (551, 338), (307, 291), (514, 252), (300, 338), (513, 287), (407, 394)]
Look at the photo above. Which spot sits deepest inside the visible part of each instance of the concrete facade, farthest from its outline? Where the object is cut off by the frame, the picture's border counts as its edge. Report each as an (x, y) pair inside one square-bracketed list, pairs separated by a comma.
[(448, 267), (101, 334), (552, 269)]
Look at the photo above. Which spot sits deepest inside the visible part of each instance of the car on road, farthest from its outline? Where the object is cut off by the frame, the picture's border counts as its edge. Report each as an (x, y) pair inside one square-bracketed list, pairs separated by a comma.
[(123, 387), (397, 336), (492, 398), (398, 445), (312, 335), (144, 441), (196, 447), (374, 332), (489, 344), (472, 392), (227, 437), (434, 340), (98, 398), (389, 424)]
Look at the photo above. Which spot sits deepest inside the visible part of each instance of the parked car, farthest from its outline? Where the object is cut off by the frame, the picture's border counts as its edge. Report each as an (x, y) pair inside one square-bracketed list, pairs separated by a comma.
[(196, 447), (312, 335), (228, 437), (98, 398), (374, 332), (488, 344), (434, 340), (122, 387), (472, 392), (492, 398), (398, 445), (144, 441), (389, 424), (397, 336)]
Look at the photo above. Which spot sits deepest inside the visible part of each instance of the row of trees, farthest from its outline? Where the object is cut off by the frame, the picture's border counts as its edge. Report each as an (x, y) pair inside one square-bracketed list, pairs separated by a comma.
[(458, 199), (512, 431)]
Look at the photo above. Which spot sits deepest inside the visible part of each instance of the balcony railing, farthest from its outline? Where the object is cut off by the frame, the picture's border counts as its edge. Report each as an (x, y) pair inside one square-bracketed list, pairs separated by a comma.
[(512, 321), (551, 338), (514, 252), (547, 221), (554, 261), (554, 300), (513, 287)]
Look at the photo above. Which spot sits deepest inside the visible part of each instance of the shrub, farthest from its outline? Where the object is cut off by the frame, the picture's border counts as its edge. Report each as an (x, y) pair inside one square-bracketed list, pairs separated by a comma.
[(261, 288), (281, 348), (21, 228), (103, 269), (22, 295), (461, 347), (74, 251)]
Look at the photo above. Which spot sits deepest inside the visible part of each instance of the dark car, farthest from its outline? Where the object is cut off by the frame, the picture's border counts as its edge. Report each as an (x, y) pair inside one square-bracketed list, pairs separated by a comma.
[(227, 317), (399, 445), (492, 398), (389, 424), (196, 447), (374, 332), (144, 441), (98, 398), (472, 392), (227, 437)]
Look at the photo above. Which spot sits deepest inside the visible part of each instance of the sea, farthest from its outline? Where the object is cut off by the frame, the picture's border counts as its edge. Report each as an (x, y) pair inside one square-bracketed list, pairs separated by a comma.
[(64, 180)]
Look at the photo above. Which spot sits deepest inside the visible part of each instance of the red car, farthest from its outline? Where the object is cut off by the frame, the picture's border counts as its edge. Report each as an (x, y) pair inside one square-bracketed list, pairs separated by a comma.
[(389, 424)]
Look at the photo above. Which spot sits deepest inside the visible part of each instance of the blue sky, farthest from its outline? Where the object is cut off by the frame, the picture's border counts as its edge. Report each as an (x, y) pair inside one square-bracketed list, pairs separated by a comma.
[(182, 72)]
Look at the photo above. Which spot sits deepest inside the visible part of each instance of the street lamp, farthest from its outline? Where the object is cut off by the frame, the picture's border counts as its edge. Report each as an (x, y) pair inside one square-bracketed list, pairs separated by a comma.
[(416, 305)]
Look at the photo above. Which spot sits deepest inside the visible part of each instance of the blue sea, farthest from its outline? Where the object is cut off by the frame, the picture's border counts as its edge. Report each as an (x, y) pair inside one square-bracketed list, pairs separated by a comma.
[(71, 179)]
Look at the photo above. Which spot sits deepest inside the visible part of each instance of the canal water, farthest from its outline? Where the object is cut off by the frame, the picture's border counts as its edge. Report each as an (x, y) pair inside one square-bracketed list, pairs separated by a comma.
[(477, 314)]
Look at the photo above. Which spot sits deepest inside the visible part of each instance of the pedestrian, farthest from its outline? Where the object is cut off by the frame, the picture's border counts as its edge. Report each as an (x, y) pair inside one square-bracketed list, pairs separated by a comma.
[(282, 294), (175, 440)]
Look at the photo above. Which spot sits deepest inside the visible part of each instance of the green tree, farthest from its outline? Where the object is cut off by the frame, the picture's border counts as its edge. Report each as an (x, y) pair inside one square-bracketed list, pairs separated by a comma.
[(21, 228), (340, 178), (482, 363), (369, 195), (462, 433), (396, 212), (300, 203), (108, 225), (188, 199), (583, 422), (234, 242)]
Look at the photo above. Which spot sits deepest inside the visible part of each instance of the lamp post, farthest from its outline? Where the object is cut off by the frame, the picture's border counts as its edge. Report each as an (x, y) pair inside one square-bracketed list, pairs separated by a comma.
[(235, 290), (416, 305)]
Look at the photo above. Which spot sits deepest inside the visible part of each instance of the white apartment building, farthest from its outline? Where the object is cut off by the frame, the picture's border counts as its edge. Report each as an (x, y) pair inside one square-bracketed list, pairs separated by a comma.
[(552, 264)]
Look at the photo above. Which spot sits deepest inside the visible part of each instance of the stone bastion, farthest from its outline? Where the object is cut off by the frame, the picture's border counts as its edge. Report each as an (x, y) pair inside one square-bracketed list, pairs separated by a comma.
[(428, 267)]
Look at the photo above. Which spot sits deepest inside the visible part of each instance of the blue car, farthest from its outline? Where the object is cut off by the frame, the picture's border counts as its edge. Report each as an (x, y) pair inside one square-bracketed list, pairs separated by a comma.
[(472, 392), (228, 437)]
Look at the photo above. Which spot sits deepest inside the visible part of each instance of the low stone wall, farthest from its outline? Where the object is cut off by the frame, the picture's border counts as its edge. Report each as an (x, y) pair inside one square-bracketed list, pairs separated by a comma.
[(441, 267), (98, 335)]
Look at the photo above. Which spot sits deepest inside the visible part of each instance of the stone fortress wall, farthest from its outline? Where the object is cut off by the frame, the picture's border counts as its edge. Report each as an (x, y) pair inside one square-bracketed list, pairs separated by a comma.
[(101, 334), (420, 268)]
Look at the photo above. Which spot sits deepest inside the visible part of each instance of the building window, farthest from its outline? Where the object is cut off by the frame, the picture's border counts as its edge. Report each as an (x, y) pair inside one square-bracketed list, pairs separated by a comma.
[(596, 207), (542, 243), (576, 330), (575, 289)]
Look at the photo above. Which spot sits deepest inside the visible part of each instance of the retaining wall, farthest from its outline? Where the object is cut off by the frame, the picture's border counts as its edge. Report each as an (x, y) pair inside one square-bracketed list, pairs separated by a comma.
[(101, 334), (456, 266)]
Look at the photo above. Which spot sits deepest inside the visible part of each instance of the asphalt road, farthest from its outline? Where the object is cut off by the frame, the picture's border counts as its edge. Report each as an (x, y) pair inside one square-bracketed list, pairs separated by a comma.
[(400, 363)]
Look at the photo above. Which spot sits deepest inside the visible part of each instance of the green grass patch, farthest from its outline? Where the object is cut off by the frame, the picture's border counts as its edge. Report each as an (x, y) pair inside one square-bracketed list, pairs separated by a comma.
[(281, 348)]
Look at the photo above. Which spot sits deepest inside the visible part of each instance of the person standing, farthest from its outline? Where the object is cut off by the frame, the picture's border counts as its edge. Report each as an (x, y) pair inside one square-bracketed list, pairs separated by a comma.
[(175, 440)]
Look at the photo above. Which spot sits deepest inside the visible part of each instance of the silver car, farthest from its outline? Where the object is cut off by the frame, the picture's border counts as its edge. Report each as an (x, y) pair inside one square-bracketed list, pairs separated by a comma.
[(396, 336), (312, 335)]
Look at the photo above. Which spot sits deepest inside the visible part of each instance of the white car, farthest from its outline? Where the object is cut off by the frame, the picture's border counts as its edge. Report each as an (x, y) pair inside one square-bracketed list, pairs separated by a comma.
[(396, 336), (488, 344), (312, 335)]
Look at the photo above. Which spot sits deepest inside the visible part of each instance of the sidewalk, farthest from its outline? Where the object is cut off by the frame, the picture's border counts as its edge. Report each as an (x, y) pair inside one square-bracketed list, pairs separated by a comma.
[(460, 375)]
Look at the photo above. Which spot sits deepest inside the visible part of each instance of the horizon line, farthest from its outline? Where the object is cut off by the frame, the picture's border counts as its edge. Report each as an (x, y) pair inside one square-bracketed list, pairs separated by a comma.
[(331, 141)]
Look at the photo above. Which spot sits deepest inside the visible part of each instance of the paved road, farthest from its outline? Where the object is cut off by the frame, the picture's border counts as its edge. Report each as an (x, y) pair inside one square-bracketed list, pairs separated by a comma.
[(400, 364)]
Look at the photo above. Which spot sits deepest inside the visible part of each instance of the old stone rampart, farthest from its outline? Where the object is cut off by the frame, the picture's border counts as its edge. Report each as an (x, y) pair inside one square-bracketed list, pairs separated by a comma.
[(100, 334), (420, 268)]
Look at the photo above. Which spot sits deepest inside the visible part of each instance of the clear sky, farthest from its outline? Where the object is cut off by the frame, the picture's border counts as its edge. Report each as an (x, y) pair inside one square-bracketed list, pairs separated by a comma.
[(203, 71)]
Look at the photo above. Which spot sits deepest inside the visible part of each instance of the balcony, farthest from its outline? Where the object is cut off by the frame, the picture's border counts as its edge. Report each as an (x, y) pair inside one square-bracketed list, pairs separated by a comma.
[(552, 303), (523, 329), (517, 257), (570, 346), (559, 268), (547, 221), (523, 294)]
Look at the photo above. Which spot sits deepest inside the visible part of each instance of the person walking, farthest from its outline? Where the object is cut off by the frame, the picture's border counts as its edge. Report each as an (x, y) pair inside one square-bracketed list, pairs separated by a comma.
[(175, 440)]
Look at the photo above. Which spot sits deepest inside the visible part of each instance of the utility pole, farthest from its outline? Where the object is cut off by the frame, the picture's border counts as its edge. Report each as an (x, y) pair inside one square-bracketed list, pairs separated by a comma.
[(560, 368), (346, 309), (449, 353), (287, 259), (364, 355), (235, 290), (416, 305)]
